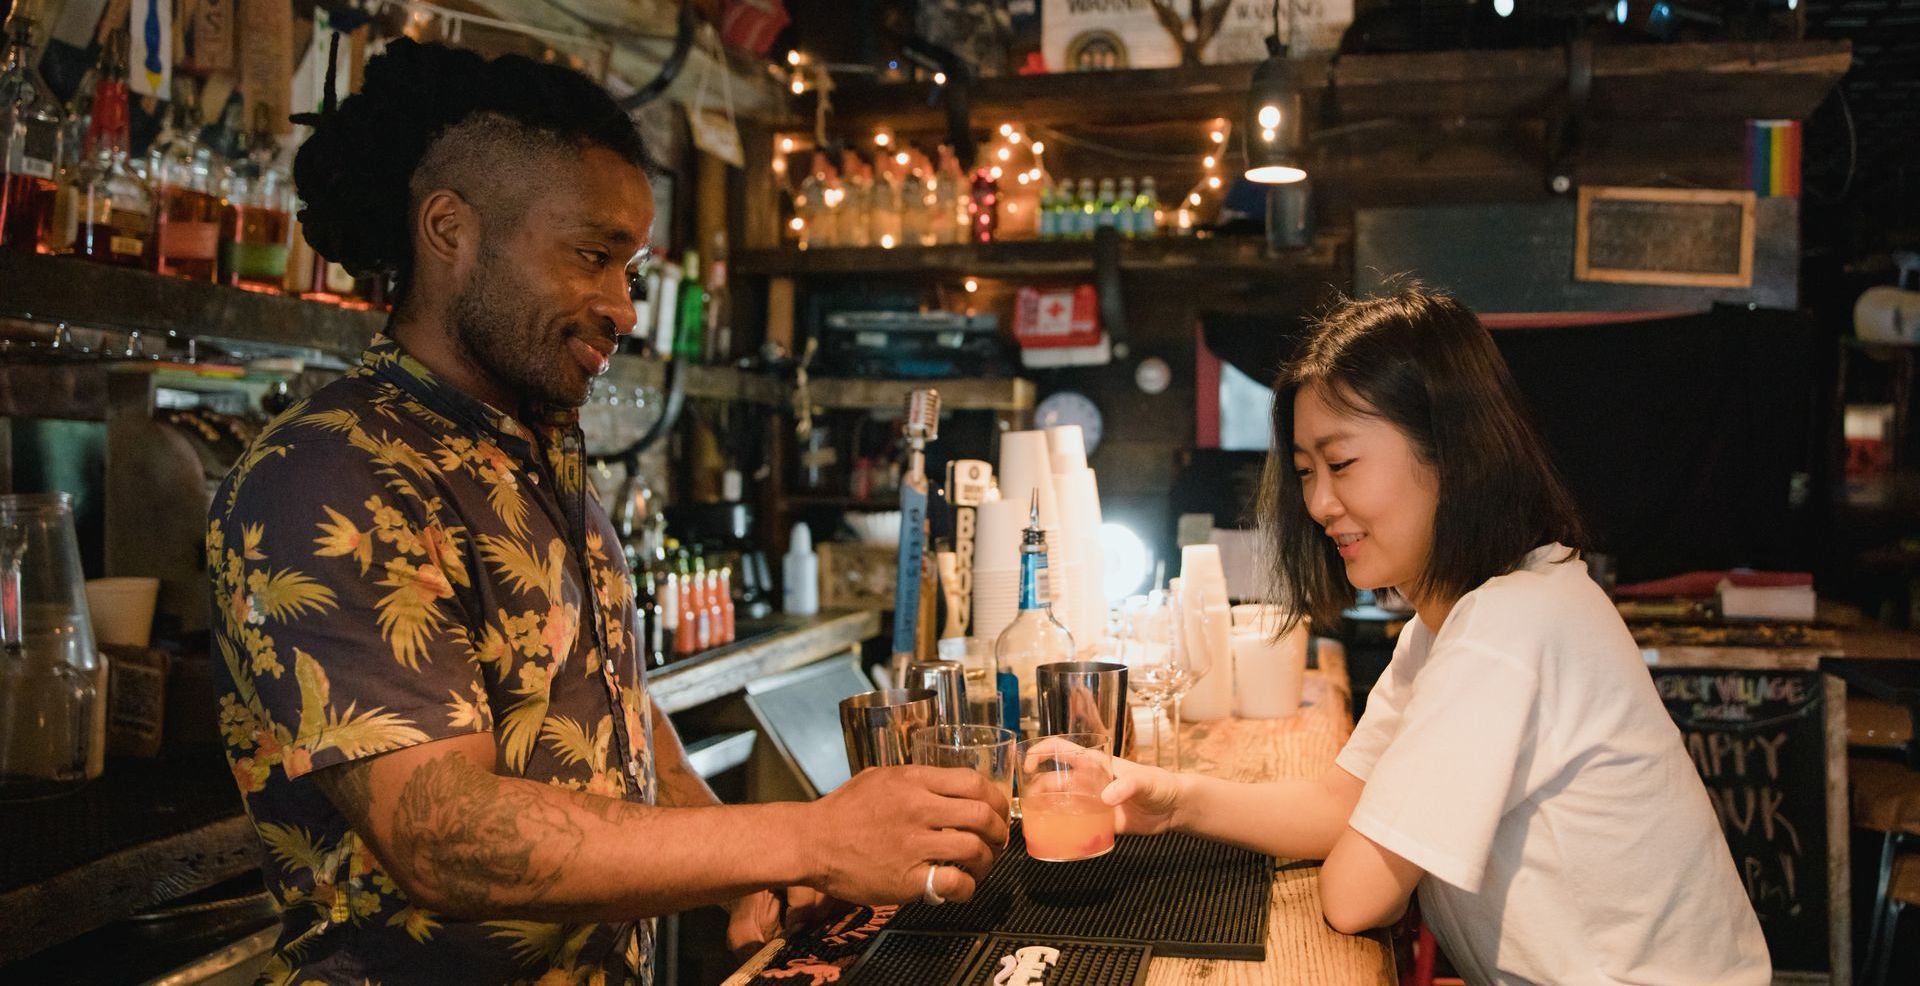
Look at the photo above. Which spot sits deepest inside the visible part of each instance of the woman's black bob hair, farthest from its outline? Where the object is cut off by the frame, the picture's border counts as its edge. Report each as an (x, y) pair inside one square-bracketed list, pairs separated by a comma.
[(1422, 362)]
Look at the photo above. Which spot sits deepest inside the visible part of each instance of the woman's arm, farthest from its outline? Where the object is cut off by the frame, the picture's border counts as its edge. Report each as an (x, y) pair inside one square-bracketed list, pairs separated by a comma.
[(1298, 819), (1362, 885)]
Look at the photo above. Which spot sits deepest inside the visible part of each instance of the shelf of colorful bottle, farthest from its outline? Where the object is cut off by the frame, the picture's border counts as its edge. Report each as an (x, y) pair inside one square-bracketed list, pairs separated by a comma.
[(66, 289), (1718, 80), (1038, 258)]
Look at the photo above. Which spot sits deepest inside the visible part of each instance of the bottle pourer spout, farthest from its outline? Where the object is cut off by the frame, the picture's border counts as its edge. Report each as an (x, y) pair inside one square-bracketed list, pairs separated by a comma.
[(1033, 508)]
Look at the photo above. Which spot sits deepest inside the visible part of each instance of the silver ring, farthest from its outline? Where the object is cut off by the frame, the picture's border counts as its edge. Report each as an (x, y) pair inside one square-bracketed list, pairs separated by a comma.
[(930, 895)]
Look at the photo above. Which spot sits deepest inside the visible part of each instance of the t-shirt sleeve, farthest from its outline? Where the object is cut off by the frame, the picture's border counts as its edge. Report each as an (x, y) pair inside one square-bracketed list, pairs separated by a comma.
[(1381, 722), (1436, 793), (338, 606)]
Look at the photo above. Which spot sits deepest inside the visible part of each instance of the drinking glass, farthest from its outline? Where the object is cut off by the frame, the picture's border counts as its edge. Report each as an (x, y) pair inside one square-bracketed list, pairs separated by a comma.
[(1198, 632), (986, 750), (1061, 813)]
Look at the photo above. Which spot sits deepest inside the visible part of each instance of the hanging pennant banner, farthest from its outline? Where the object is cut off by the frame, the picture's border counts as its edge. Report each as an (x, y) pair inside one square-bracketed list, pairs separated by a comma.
[(150, 27)]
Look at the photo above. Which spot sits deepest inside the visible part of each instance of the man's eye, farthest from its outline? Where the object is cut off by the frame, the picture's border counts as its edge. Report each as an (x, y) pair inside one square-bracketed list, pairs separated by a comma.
[(594, 257)]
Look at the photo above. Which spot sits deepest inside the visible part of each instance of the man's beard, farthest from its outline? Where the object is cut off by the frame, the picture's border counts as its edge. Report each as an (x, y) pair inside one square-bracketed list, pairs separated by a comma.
[(498, 327)]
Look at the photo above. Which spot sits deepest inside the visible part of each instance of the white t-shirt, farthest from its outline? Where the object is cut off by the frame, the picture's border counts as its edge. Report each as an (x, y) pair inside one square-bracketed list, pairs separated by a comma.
[(1522, 758)]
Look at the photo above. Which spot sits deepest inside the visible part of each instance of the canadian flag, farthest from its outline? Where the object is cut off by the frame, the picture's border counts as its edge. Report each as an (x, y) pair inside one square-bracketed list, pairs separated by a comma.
[(1052, 318)]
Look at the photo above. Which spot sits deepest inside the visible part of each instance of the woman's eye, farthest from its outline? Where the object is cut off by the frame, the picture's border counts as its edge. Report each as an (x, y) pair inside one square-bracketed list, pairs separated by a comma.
[(1337, 466), (1302, 471)]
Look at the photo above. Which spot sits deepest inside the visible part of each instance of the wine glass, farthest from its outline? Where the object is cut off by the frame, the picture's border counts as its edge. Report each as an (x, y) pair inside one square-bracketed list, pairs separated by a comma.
[(1196, 634), (1144, 638)]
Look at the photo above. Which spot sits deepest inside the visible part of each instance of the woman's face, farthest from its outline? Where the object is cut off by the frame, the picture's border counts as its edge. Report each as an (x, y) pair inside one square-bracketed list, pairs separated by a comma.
[(1367, 487)]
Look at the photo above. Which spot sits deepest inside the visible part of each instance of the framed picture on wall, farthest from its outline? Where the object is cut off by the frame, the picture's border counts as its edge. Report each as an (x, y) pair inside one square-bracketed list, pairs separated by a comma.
[(1686, 237)]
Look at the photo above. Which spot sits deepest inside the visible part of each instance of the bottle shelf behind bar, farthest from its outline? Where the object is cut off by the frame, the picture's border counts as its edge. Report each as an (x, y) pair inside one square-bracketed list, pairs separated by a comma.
[(1041, 258)]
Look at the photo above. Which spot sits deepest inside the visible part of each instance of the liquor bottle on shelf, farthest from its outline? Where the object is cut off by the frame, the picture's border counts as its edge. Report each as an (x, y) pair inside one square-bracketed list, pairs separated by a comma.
[(1049, 213), (856, 209), (73, 138), (1146, 210), (983, 203), (888, 179), (188, 180), (1103, 211), (256, 224), (1035, 636), (691, 324), (112, 207), (952, 216), (1085, 206), (915, 201), (1120, 213), (30, 145)]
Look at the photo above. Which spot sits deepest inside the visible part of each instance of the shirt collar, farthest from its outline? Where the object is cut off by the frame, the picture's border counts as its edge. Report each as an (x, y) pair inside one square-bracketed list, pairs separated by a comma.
[(385, 359)]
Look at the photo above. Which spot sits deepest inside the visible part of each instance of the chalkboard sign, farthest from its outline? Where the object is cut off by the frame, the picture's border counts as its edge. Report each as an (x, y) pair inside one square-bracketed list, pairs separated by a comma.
[(1760, 741), (1682, 237)]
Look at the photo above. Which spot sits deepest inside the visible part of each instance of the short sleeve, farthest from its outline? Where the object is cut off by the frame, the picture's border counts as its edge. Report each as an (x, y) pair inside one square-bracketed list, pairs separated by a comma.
[(1437, 792), (1381, 722), (337, 605)]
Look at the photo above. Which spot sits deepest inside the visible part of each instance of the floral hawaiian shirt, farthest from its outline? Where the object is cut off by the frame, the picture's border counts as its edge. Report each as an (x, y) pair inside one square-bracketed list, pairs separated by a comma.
[(394, 562)]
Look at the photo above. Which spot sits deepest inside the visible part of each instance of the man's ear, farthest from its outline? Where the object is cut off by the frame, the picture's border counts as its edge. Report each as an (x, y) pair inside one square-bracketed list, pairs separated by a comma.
[(448, 228)]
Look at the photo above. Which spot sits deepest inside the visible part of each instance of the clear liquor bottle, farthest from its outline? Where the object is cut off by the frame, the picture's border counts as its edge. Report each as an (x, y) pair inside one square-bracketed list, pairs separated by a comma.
[(256, 222), (30, 145), (1035, 636), (112, 207), (188, 180)]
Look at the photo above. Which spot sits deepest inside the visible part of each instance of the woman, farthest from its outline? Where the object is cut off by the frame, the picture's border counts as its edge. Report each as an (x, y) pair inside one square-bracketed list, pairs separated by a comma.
[(1514, 762)]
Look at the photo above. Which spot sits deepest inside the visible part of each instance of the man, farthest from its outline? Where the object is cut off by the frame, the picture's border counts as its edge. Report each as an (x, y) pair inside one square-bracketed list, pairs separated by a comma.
[(433, 702)]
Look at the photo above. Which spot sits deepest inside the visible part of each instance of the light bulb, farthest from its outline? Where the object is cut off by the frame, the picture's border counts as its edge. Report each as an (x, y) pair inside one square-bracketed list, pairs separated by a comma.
[(1219, 136), (939, 78), (1503, 7), (793, 58), (1208, 162), (1006, 130), (1025, 177), (1193, 199), (881, 138), (1213, 181), (972, 285), (1267, 135), (1004, 154), (796, 224), (995, 172), (886, 241), (901, 158), (1039, 148), (1269, 116), (786, 145), (799, 87)]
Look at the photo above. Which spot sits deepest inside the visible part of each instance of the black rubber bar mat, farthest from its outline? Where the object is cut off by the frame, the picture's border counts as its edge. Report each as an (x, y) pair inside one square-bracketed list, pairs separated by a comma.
[(1082, 963), (922, 958), (1186, 896)]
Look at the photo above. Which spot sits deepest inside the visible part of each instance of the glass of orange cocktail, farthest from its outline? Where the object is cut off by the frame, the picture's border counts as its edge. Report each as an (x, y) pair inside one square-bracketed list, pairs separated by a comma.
[(1061, 813)]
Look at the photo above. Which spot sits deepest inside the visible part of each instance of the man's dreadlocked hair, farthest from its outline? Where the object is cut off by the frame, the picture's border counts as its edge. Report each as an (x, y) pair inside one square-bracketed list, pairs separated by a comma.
[(426, 114)]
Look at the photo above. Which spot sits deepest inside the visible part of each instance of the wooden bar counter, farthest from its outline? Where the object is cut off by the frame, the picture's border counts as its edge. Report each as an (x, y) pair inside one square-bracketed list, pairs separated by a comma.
[(1301, 949)]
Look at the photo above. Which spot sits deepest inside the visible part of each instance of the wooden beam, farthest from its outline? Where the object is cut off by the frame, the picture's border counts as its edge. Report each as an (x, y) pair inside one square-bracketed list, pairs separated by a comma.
[(641, 32)]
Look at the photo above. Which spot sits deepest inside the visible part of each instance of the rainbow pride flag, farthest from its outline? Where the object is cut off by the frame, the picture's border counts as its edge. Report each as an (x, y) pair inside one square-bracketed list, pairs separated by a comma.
[(1773, 157)]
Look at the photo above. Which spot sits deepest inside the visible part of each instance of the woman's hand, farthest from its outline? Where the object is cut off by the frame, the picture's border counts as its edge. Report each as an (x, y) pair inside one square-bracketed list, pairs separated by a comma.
[(1146, 799)]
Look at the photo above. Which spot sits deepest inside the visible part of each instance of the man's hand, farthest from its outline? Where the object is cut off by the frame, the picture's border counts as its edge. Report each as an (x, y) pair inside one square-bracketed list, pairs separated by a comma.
[(756, 919), (872, 839)]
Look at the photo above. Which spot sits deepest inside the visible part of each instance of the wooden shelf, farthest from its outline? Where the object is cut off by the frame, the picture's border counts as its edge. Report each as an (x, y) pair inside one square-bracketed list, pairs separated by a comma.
[(1711, 80), (64, 289), (1010, 394), (840, 502), (630, 372), (1042, 258)]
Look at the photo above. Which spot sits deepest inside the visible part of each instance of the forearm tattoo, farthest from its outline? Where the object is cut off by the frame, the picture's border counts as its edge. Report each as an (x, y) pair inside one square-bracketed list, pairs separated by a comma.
[(478, 844)]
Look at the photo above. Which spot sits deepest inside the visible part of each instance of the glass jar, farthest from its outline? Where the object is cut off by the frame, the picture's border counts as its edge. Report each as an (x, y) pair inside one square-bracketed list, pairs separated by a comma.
[(53, 714)]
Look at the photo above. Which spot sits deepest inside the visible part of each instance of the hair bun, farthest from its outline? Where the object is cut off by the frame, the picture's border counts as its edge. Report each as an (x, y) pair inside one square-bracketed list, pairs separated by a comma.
[(352, 173)]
